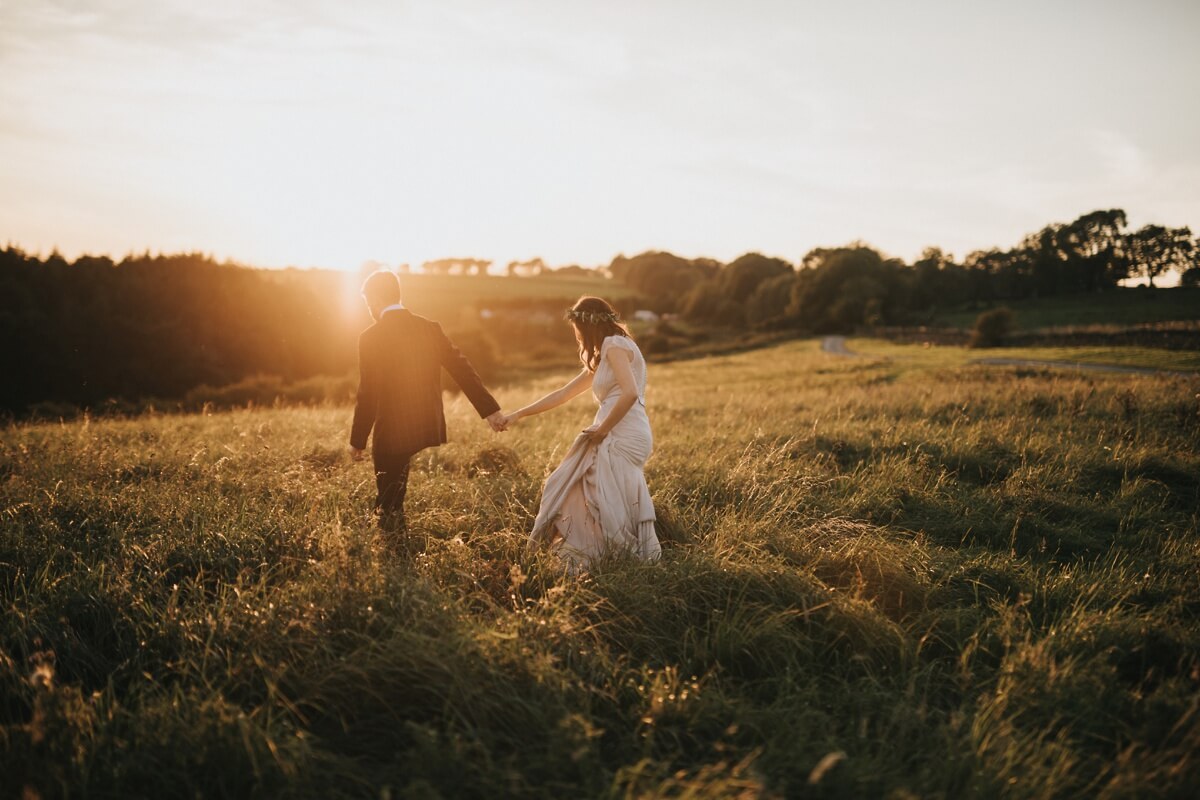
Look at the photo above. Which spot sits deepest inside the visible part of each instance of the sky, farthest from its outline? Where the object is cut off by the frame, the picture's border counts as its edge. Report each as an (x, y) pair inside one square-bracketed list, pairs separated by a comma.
[(313, 133)]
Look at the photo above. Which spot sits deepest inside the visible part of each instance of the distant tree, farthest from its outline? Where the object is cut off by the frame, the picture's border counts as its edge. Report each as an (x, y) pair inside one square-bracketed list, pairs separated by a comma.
[(927, 273), (841, 288), (1191, 275), (1155, 249), (744, 274), (662, 278), (1094, 245), (94, 262), (457, 266), (768, 306), (707, 302), (526, 269), (1047, 261), (619, 267), (55, 260), (999, 274), (573, 271)]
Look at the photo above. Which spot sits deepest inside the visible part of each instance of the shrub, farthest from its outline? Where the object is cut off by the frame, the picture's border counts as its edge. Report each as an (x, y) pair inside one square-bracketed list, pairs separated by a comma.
[(665, 328), (992, 328), (656, 344), (52, 410), (479, 349)]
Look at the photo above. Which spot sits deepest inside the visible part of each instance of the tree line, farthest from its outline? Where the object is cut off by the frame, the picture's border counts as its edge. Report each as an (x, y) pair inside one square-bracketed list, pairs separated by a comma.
[(159, 326), (161, 329), (840, 288)]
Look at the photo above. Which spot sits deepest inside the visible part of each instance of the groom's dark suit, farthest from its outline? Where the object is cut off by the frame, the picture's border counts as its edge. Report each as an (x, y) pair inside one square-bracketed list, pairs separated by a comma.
[(400, 361)]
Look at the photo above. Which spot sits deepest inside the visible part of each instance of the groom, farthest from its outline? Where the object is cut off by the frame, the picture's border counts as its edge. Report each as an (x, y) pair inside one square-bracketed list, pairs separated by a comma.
[(400, 359)]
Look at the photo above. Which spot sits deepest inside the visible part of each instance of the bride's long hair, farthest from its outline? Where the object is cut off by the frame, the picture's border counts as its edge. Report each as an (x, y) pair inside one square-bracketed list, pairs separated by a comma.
[(594, 320)]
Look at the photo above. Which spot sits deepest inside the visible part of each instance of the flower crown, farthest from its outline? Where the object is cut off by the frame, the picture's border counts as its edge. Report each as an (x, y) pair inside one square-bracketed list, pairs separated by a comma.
[(591, 317)]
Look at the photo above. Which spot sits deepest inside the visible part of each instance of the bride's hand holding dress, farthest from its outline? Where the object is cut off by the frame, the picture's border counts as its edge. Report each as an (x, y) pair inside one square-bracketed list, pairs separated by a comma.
[(619, 360)]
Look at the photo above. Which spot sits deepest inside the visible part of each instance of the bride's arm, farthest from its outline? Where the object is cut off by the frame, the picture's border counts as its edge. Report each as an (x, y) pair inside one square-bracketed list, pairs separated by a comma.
[(575, 387), (620, 362)]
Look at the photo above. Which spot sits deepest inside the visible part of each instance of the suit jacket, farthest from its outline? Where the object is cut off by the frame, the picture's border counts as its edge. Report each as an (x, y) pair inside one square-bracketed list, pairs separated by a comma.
[(400, 359)]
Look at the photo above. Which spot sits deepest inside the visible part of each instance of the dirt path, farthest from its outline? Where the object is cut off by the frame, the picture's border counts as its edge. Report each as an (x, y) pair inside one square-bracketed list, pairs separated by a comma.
[(836, 345)]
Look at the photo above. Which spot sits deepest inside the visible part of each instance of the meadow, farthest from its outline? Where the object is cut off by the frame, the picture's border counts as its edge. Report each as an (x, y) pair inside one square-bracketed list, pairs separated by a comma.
[(1123, 306), (907, 357), (899, 575)]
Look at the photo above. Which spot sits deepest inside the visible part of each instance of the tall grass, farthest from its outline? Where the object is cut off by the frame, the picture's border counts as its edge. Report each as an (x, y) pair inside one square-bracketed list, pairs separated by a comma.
[(881, 578)]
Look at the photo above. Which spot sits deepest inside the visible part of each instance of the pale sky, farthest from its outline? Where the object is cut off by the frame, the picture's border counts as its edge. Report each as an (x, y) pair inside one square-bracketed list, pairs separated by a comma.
[(314, 133)]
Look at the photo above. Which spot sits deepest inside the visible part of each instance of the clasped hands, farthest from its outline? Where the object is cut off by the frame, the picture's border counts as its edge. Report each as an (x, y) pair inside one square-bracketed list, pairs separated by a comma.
[(500, 422)]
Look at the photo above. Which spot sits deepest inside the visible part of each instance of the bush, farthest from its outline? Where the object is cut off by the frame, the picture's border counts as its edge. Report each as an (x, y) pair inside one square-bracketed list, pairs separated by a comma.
[(265, 391), (665, 328), (479, 349), (992, 328), (656, 344), (770, 300), (259, 390), (51, 410)]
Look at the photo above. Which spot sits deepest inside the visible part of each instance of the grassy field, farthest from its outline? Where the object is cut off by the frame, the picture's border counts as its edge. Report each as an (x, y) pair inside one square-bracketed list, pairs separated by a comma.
[(1119, 307), (908, 357), (881, 578)]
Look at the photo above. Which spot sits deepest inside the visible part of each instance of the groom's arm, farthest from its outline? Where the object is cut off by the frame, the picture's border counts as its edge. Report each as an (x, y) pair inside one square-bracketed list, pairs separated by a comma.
[(465, 376), (366, 406)]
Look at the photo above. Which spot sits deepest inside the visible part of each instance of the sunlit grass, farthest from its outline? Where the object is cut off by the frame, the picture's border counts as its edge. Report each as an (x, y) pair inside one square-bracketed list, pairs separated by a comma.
[(909, 355), (929, 579)]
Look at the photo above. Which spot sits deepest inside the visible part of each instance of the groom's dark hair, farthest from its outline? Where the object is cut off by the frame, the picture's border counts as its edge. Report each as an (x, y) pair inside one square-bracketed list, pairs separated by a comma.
[(381, 289)]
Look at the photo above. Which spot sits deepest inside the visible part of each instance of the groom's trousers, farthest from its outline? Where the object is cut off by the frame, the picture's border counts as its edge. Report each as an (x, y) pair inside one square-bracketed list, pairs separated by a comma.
[(391, 483)]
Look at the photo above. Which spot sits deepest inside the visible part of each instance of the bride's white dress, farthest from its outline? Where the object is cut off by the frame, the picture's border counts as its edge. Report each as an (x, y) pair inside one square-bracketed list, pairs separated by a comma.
[(596, 501)]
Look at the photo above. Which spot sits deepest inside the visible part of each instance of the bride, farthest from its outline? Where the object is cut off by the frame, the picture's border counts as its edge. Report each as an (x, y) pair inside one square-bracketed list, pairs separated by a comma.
[(596, 501)]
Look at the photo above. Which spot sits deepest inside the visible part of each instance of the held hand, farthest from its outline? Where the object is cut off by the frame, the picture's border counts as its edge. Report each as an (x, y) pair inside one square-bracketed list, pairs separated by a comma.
[(595, 434), (498, 421), (356, 453)]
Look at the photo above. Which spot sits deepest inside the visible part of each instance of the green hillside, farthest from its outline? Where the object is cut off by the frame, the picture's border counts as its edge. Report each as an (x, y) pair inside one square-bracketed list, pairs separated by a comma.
[(1115, 307)]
